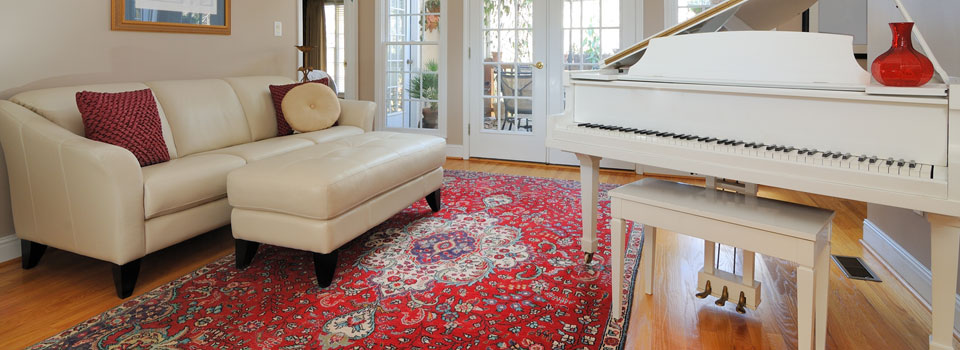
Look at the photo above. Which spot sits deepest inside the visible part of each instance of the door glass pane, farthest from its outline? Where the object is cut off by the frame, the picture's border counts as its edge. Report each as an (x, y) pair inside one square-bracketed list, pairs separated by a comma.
[(591, 32), (507, 99)]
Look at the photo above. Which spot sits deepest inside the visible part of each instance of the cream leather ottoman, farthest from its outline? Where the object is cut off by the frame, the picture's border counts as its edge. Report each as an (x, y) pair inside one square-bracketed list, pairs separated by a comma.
[(320, 197)]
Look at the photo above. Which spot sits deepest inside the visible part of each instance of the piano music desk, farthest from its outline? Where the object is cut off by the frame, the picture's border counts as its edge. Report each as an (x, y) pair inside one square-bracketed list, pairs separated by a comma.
[(788, 231)]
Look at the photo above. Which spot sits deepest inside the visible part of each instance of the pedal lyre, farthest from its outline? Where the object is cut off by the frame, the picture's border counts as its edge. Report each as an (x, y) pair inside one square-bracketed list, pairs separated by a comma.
[(706, 291), (724, 296)]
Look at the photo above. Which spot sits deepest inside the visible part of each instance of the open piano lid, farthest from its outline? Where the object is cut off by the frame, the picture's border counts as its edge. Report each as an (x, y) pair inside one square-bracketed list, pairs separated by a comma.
[(757, 14), (748, 58)]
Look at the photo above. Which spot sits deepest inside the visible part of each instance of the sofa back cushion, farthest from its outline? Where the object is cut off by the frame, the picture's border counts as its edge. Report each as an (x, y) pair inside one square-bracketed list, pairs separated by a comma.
[(254, 94), (59, 105), (204, 115)]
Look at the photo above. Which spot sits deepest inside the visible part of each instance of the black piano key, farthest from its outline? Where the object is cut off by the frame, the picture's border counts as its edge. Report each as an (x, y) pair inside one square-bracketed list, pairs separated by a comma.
[(702, 138), (889, 161), (642, 132), (771, 147), (750, 145), (660, 134), (629, 130), (803, 151), (583, 124), (758, 145), (873, 159), (836, 155), (826, 154), (811, 152), (738, 143), (789, 149), (862, 158), (846, 156), (913, 164), (901, 162), (779, 148)]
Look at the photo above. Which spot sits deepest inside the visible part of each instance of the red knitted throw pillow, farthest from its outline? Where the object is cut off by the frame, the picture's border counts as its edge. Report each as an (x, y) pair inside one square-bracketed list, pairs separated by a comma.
[(278, 92), (126, 119)]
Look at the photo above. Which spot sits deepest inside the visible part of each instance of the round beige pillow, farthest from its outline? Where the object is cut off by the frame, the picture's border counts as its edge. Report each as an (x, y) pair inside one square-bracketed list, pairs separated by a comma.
[(310, 107)]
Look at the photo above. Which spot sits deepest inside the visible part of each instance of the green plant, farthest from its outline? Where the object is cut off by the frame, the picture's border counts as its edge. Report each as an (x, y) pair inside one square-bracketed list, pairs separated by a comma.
[(591, 46), (426, 84)]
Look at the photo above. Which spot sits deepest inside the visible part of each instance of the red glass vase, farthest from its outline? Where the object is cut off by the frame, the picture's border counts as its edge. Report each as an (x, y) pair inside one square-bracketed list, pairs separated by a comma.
[(901, 65)]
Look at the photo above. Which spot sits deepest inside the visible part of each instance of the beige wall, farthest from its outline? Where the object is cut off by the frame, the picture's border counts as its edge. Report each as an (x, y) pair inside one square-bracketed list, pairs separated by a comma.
[(368, 69), (62, 43)]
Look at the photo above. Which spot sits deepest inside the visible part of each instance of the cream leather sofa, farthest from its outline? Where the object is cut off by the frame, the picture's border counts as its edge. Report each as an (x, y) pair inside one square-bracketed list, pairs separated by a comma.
[(94, 199)]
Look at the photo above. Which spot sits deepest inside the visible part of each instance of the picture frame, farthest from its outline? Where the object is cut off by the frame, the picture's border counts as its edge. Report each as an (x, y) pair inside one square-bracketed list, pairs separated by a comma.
[(171, 16)]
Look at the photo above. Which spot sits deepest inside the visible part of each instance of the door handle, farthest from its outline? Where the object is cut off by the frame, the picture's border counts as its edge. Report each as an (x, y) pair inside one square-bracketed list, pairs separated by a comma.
[(539, 65)]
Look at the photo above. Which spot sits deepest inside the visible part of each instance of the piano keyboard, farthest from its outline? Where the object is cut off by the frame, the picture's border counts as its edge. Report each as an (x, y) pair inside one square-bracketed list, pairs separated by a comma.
[(825, 158)]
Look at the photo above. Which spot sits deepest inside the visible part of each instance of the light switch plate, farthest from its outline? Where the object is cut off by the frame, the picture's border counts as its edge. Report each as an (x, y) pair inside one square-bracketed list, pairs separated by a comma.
[(277, 28)]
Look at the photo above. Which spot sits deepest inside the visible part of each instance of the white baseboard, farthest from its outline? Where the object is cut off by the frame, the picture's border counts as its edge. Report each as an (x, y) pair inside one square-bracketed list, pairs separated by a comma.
[(456, 151), (9, 248), (916, 277)]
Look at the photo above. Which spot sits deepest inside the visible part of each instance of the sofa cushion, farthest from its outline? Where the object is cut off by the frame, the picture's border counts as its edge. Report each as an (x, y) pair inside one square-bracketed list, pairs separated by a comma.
[(326, 180), (59, 105), (327, 135), (204, 115), (277, 92), (186, 182), (126, 119), (254, 94), (264, 148)]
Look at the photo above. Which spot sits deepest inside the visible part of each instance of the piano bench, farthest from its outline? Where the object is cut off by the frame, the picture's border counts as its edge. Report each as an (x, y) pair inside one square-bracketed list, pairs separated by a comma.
[(788, 231)]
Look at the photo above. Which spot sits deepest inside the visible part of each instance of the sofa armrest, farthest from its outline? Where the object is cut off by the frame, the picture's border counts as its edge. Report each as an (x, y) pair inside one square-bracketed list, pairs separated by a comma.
[(70, 192), (358, 113)]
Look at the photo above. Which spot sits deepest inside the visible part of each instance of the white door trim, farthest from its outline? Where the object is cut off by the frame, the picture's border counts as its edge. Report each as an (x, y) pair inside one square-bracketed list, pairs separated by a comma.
[(350, 13)]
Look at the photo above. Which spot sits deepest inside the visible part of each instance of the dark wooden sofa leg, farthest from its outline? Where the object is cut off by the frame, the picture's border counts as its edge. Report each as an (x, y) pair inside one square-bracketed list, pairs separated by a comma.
[(325, 265), (30, 253), (125, 278), (433, 199), (245, 252)]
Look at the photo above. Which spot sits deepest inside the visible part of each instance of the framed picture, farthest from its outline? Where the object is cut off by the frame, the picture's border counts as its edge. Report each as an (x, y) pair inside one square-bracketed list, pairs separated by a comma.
[(174, 16)]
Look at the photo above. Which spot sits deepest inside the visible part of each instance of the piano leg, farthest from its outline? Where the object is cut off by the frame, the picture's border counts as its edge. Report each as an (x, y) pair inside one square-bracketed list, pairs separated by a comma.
[(944, 247), (589, 184)]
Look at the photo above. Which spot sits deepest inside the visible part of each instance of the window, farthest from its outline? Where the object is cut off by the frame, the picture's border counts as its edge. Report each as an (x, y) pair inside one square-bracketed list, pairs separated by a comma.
[(336, 59), (591, 32), (412, 60), (686, 9)]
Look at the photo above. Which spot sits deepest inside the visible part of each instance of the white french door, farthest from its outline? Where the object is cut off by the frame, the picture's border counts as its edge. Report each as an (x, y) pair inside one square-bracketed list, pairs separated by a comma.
[(411, 66), (508, 83), (518, 52)]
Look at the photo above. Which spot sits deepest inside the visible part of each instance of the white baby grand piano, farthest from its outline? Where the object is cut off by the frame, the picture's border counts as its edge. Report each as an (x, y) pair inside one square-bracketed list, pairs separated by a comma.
[(782, 109)]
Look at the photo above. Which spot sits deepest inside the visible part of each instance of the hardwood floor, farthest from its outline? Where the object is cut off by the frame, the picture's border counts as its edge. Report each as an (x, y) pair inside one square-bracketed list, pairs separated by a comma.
[(66, 289)]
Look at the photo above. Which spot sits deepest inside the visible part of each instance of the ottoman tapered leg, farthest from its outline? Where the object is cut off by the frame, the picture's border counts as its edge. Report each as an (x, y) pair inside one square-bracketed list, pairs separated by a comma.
[(433, 199), (325, 265), (245, 252)]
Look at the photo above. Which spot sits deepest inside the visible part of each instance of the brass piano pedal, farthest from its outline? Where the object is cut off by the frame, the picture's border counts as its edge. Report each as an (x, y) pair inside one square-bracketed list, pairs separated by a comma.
[(742, 304), (706, 291), (589, 257), (724, 296)]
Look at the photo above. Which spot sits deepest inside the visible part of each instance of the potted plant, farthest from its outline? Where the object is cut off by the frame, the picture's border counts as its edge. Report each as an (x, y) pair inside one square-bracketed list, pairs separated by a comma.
[(425, 86)]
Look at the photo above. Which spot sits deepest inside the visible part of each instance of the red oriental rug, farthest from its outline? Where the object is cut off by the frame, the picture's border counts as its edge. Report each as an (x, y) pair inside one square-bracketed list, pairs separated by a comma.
[(499, 267)]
